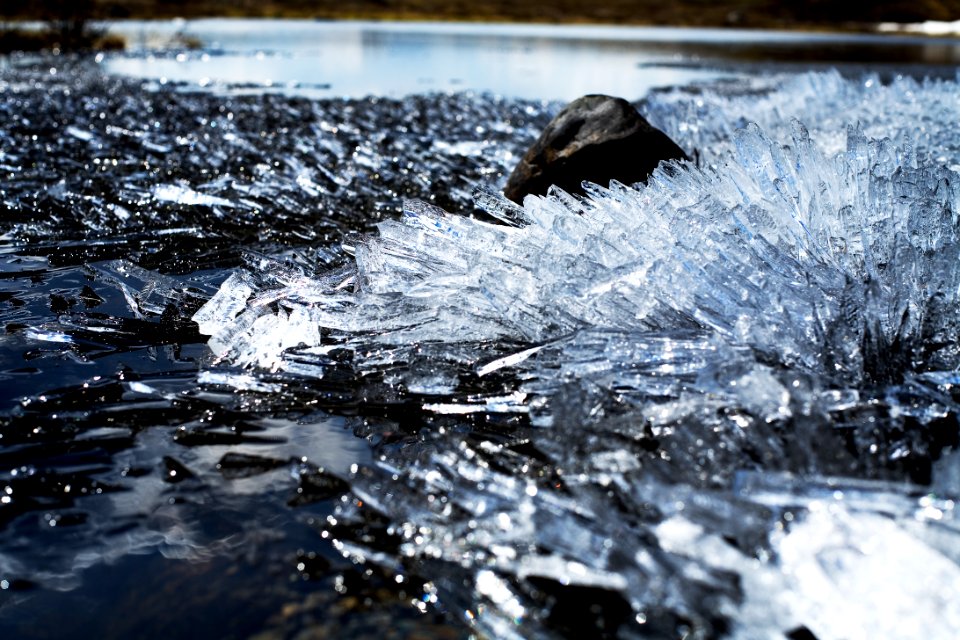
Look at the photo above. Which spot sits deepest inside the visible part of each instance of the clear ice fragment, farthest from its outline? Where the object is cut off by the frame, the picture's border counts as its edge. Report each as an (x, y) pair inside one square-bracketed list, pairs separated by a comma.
[(184, 195)]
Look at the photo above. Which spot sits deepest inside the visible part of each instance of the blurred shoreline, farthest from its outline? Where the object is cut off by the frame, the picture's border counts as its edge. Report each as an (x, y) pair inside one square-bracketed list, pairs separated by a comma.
[(78, 25), (795, 15)]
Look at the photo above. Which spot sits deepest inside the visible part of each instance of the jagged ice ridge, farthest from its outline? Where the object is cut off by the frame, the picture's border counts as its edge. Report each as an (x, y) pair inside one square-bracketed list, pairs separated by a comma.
[(833, 265), (691, 344)]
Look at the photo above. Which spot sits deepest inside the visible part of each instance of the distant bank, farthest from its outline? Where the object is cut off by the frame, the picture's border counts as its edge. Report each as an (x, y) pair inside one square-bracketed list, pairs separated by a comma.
[(69, 23), (852, 15)]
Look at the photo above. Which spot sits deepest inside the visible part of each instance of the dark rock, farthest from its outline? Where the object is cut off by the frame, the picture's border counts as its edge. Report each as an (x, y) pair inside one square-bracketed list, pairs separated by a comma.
[(595, 138), (801, 633)]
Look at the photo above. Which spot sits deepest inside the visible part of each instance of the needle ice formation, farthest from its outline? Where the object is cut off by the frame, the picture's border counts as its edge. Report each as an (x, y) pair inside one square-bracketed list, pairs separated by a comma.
[(713, 355), (840, 265)]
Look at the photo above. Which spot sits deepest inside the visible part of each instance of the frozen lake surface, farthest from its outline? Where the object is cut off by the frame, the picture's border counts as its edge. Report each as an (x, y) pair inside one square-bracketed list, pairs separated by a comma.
[(541, 62)]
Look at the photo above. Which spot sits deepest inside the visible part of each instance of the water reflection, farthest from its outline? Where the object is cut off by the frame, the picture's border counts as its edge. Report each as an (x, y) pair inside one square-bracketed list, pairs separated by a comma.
[(355, 59)]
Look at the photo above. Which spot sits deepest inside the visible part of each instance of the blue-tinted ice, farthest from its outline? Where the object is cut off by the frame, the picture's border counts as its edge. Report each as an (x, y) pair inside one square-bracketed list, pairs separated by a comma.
[(720, 403)]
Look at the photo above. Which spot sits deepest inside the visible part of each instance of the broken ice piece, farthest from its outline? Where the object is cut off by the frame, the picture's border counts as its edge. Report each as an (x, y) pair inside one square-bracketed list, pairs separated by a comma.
[(185, 195), (225, 305)]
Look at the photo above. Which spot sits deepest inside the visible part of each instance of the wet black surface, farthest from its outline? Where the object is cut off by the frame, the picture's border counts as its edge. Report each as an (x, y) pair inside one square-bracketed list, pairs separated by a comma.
[(140, 501), (147, 490)]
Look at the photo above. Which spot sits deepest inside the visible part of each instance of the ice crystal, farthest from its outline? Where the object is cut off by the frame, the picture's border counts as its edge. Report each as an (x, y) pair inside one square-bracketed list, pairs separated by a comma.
[(907, 111), (679, 378), (841, 266)]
